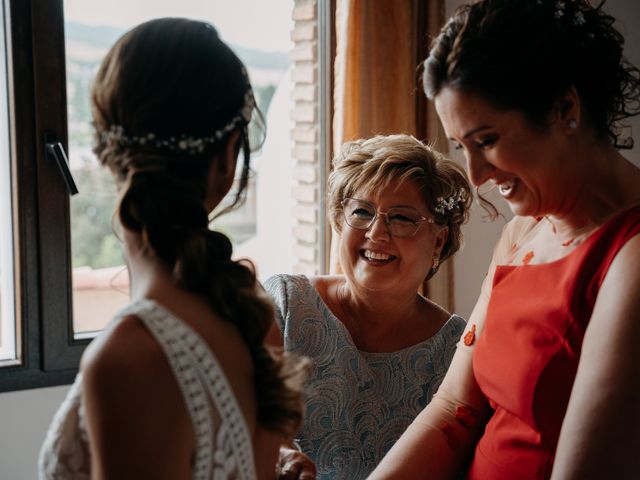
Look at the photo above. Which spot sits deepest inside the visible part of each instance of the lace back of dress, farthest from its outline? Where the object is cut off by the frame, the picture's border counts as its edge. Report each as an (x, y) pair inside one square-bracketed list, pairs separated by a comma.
[(223, 443)]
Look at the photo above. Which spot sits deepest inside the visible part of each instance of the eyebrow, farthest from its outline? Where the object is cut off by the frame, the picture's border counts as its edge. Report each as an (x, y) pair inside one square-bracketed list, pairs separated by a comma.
[(476, 130), (473, 132)]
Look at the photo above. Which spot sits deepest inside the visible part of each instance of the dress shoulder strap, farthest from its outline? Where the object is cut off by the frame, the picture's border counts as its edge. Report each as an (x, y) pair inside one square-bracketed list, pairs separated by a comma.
[(203, 383), (608, 241)]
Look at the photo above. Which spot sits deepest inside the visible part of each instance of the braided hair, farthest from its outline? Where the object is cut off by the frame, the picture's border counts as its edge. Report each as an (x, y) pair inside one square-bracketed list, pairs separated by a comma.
[(165, 102)]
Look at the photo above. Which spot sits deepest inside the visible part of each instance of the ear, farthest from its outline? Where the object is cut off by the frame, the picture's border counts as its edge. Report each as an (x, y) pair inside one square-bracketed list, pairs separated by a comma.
[(229, 156), (222, 171), (441, 239), (566, 111)]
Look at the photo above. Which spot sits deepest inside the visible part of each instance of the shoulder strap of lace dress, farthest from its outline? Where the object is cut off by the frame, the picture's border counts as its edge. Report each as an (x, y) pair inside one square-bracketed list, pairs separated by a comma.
[(200, 377)]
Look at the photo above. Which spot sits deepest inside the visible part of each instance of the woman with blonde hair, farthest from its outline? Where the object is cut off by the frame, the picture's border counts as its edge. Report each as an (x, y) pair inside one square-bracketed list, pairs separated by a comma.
[(378, 348)]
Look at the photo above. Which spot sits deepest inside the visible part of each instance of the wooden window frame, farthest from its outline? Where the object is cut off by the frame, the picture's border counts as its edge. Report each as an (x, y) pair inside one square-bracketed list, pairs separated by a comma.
[(37, 107), (36, 85)]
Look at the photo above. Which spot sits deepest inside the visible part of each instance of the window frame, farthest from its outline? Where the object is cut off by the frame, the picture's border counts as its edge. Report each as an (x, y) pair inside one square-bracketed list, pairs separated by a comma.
[(36, 86), (49, 353), (326, 60)]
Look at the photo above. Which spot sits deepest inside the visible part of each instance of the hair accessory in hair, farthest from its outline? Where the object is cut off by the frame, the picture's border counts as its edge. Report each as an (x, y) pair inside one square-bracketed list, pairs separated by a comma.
[(183, 142), (446, 205), (559, 10)]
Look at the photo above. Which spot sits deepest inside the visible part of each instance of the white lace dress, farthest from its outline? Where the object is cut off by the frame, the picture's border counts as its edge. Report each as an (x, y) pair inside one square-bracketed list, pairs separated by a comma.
[(223, 442)]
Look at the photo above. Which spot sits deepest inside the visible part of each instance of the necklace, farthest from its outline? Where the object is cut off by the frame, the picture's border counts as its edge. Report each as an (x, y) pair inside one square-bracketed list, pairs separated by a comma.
[(578, 235), (525, 256)]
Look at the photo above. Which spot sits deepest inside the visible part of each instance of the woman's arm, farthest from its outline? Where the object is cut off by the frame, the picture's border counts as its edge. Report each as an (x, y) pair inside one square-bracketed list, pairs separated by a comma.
[(442, 437), (600, 436)]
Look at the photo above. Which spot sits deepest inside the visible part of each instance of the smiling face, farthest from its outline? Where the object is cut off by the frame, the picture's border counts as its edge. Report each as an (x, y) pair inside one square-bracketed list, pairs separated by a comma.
[(375, 260), (529, 165)]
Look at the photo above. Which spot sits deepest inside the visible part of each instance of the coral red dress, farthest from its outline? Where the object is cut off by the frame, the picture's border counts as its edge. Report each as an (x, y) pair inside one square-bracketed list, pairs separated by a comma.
[(526, 358)]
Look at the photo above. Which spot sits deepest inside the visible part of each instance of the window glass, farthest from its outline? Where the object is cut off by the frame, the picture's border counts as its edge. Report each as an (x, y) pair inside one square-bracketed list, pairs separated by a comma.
[(8, 333), (261, 228)]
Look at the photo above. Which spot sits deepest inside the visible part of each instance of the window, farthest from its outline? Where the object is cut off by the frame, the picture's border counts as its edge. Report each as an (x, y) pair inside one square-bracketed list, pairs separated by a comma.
[(70, 277), (8, 334), (100, 282)]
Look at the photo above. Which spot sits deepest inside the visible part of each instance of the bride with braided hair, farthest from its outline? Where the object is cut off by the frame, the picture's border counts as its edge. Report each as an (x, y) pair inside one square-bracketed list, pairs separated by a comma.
[(179, 385)]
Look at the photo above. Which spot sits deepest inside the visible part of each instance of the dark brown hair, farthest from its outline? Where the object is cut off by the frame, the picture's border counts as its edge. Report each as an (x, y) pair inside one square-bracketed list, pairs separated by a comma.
[(525, 55), (174, 77)]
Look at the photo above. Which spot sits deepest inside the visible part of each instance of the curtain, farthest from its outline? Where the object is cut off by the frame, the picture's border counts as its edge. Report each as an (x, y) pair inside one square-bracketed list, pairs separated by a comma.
[(375, 69), (380, 45)]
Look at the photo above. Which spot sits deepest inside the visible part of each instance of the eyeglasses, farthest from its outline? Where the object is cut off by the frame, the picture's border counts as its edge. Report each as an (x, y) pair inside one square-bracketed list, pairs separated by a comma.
[(401, 221)]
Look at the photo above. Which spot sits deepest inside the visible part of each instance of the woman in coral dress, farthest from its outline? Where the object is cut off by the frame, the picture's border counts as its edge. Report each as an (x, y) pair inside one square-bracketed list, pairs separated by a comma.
[(546, 379)]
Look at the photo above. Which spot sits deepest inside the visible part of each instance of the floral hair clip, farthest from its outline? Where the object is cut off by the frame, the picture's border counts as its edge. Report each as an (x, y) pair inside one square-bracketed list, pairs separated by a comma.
[(560, 10), (578, 19), (183, 142), (445, 205)]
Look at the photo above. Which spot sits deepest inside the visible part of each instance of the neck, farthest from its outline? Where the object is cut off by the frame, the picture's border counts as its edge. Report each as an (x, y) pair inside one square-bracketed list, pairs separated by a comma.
[(146, 272), (375, 314), (607, 184)]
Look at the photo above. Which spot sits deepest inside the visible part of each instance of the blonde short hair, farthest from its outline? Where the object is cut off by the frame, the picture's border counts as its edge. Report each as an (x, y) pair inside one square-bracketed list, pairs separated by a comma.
[(370, 165)]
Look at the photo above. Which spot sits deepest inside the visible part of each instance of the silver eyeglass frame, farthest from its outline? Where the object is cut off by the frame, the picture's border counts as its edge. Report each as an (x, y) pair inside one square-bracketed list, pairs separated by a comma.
[(387, 222)]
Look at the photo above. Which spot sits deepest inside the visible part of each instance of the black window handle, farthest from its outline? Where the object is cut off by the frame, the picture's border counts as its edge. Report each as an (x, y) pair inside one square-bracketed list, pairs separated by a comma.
[(55, 152)]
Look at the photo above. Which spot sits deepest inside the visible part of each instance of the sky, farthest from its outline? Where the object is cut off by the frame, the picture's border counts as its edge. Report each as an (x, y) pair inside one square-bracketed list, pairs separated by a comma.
[(259, 24)]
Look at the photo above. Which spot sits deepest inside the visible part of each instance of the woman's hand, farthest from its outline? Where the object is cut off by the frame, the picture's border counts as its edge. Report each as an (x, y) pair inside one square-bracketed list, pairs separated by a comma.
[(294, 465)]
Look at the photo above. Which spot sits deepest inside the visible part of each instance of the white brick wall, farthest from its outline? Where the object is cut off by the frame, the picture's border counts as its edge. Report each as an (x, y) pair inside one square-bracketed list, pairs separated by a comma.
[(305, 134)]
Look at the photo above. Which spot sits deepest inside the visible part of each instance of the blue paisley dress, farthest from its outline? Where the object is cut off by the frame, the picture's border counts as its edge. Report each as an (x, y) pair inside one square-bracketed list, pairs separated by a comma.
[(357, 404)]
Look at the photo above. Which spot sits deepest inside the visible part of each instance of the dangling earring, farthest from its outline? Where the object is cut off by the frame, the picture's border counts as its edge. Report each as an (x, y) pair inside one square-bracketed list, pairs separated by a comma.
[(435, 261), (572, 124)]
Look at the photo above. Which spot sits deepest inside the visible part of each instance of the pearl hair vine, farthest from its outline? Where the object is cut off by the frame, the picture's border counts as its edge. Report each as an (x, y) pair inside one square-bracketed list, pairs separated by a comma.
[(182, 142), (559, 10), (446, 205)]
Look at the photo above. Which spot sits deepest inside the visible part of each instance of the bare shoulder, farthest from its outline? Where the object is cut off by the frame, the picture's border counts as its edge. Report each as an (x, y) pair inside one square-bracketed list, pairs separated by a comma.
[(629, 252), (326, 285), (126, 364), (132, 398), (126, 344), (614, 323), (622, 281), (322, 283)]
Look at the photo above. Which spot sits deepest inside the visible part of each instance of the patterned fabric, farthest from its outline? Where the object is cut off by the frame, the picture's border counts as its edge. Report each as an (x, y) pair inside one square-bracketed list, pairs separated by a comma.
[(223, 443), (357, 403)]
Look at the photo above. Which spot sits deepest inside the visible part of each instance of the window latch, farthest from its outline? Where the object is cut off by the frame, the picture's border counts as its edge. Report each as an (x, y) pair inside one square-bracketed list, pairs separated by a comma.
[(55, 152)]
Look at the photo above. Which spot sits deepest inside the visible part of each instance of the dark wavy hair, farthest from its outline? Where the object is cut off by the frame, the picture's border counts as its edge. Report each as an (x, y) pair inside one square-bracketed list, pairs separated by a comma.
[(173, 77), (524, 55)]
